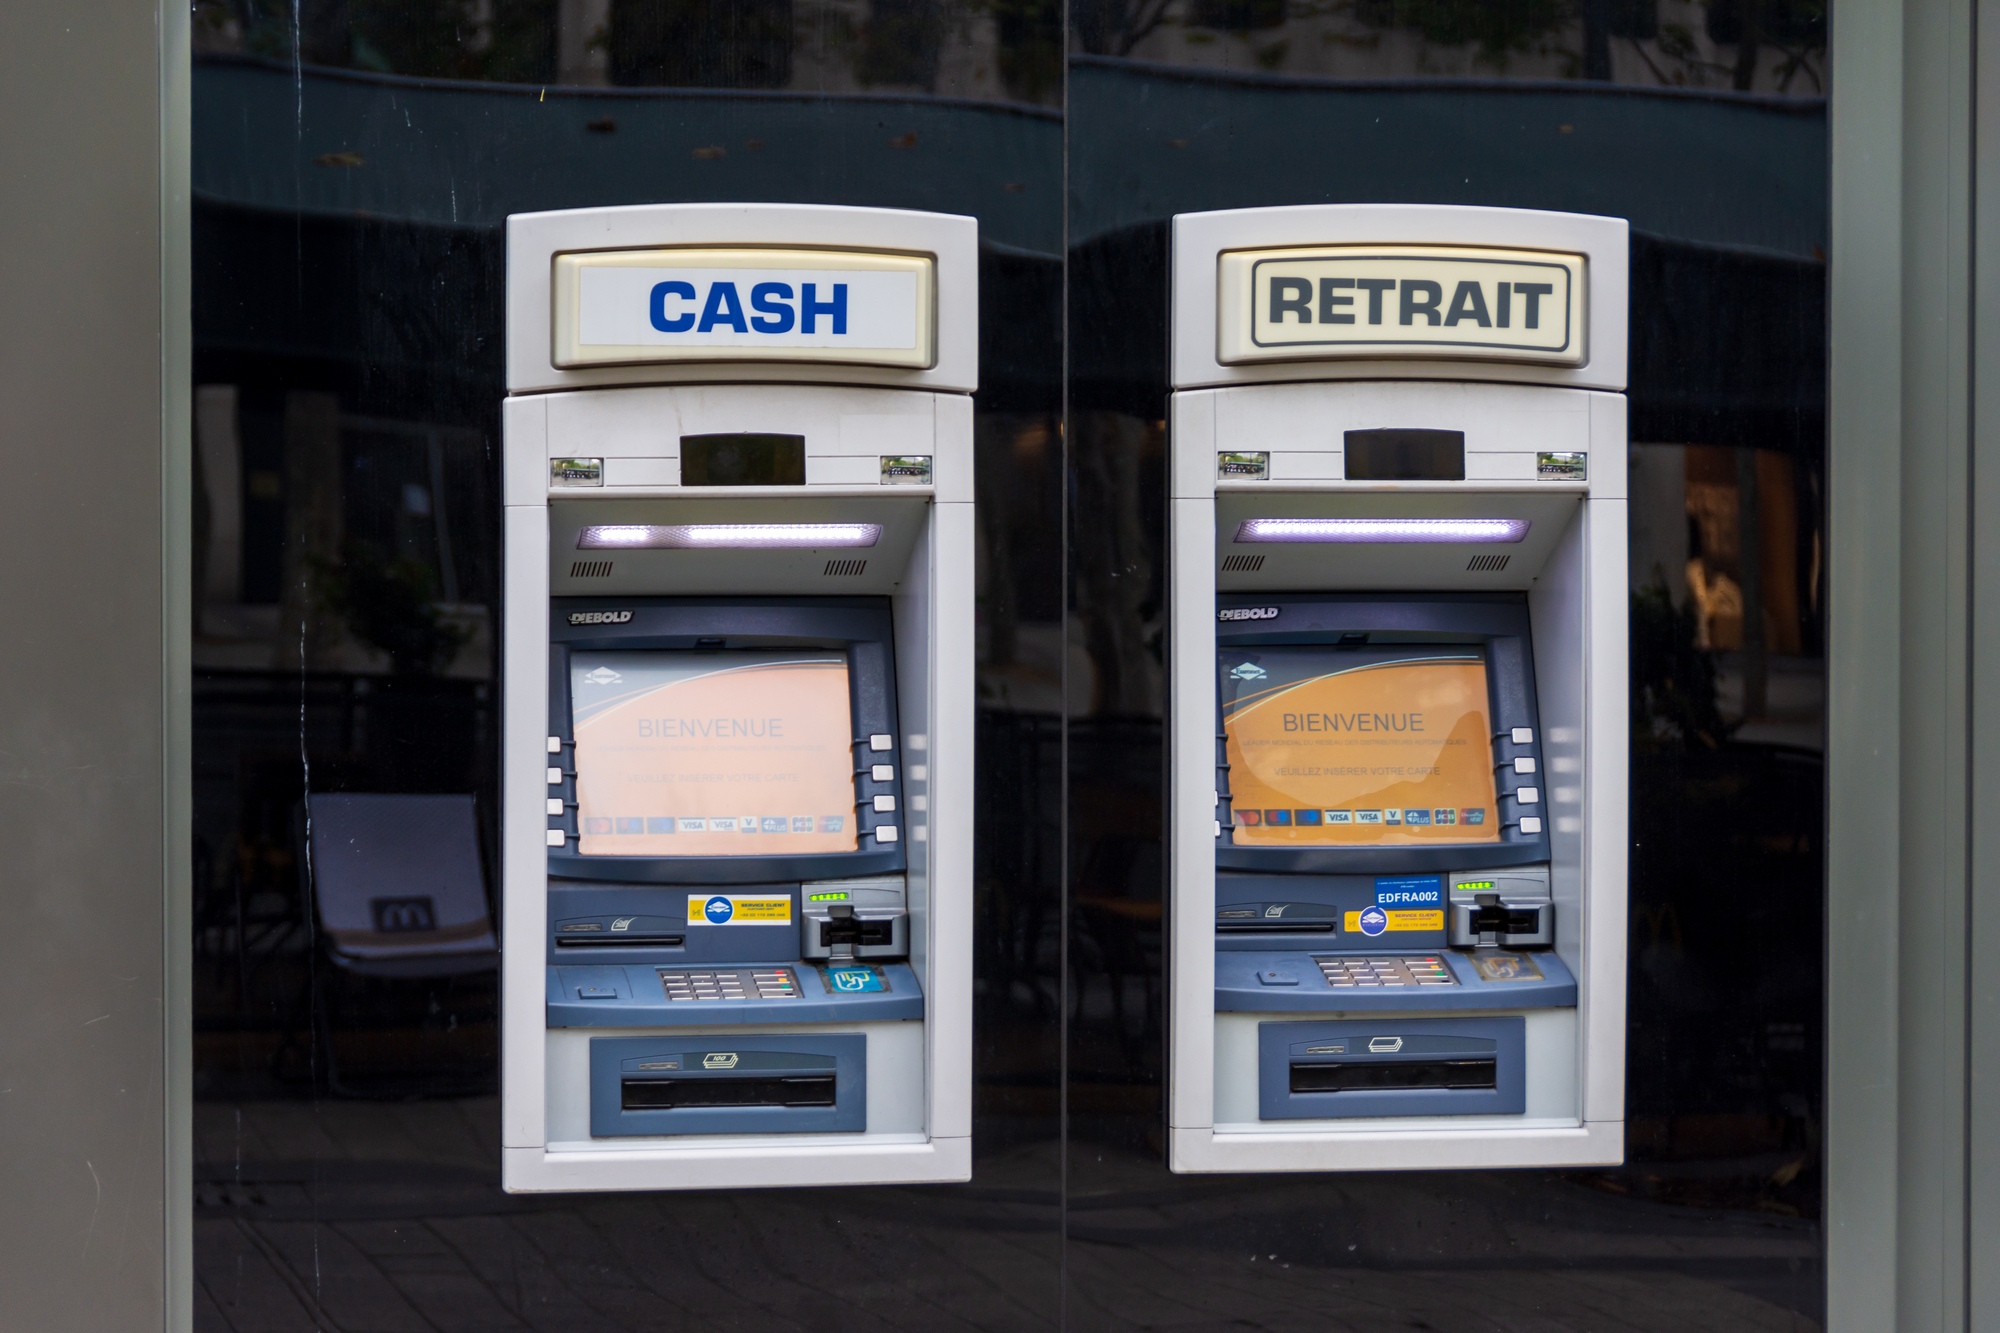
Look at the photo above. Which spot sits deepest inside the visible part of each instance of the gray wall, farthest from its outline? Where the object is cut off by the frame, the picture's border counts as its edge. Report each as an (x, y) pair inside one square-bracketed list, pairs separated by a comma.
[(1913, 854), (91, 738)]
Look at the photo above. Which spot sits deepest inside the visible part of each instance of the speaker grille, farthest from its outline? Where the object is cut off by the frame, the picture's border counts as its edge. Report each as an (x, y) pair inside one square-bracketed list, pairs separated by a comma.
[(1242, 564), (590, 569), (1486, 564), (844, 568)]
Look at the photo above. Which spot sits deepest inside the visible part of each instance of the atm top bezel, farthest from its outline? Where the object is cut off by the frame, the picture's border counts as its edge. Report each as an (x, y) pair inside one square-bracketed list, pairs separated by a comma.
[(863, 627), (1498, 621)]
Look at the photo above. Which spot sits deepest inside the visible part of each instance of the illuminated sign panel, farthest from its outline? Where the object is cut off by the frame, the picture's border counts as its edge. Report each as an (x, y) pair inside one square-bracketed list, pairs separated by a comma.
[(623, 307), (1400, 301)]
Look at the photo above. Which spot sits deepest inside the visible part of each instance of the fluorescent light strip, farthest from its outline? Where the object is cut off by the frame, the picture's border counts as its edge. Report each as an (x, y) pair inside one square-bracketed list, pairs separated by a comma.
[(724, 536), (1416, 531)]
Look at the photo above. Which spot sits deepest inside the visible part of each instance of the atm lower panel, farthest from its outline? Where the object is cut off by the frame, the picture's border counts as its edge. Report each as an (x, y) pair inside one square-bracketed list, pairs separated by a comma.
[(892, 1063), (1391, 1067), (1550, 1090), (729, 1083)]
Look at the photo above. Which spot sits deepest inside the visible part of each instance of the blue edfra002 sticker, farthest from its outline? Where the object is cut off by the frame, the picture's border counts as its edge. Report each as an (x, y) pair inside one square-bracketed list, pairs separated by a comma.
[(1408, 891)]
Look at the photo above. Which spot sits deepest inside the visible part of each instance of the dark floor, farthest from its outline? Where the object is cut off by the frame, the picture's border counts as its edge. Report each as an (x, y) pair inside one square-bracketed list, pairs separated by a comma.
[(364, 1216)]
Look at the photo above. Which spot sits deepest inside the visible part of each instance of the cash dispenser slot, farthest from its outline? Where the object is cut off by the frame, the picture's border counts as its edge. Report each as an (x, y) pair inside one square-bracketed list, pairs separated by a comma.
[(1410, 1076), (672, 1094), (1354, 1068), (755, 1083)]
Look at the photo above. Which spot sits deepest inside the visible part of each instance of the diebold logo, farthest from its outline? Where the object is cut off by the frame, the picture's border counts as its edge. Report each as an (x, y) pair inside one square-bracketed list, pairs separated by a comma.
[(600, 617), (1248, 613)]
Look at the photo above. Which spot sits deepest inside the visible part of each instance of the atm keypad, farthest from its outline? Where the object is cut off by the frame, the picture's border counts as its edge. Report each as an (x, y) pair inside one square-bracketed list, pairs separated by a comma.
[(736, 983), (1344, 973)]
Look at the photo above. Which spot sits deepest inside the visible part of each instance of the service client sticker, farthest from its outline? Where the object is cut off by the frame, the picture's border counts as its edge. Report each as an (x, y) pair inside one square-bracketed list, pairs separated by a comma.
[(739, 909)]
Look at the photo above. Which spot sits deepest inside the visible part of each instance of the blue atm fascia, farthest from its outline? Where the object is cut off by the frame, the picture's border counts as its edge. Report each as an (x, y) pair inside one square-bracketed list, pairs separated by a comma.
[(1292, 1053), (1276, 908), (615, 922)]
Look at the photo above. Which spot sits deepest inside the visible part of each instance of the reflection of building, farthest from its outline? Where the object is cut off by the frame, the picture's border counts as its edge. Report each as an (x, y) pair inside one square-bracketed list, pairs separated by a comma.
[(1003, 52), (1646, 43)]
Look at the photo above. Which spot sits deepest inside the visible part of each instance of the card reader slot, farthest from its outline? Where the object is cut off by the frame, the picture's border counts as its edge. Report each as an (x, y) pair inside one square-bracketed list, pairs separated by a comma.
[(1273, 927), (1394, 1076), (855, 930), (670, 1094)]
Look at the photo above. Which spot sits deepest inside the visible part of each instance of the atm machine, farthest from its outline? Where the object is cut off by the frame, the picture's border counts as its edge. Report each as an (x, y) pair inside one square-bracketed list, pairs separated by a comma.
[(738, 657), (1399, 717)]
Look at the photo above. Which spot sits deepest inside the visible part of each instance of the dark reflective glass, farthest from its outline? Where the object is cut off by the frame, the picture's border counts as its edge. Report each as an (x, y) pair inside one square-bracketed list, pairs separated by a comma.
[(356, 159), (1711, 139), (353, 163)]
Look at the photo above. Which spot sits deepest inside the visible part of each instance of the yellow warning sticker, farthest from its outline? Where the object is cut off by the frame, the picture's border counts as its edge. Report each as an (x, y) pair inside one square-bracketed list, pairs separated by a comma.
[(730, 909), (1426, 920)]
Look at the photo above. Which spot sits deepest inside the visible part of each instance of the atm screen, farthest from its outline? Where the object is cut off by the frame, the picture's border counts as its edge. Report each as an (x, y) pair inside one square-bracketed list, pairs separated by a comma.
[(1358, 747), (728, 753)]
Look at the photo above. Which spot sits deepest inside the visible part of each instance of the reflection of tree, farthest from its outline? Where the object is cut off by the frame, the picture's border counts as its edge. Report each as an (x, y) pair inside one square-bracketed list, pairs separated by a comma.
[(502, 40), (1673, 680), (1114, 565), (902, 43), (1499, 27), (1795, 27), (390, 603), (1030, 33), (1114, 27), (701, 43)]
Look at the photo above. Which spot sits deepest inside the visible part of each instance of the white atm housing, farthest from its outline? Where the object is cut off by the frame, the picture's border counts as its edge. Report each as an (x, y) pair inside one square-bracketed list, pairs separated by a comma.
[(619, 349), (1261, 413)]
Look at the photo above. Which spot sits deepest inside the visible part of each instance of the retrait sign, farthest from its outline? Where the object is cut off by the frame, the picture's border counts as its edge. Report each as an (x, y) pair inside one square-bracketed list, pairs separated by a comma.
[(1400, 301)]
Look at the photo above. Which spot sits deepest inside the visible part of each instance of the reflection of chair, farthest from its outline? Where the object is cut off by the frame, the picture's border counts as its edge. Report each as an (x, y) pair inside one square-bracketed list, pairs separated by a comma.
[(397, 886), (397, 891)]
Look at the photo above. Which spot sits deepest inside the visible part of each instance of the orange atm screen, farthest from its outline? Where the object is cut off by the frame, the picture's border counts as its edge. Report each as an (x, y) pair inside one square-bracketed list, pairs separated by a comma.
[(712, 754), (1369, 747)]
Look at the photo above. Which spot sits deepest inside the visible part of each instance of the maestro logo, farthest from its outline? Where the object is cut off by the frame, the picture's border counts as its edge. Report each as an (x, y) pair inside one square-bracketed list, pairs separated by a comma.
[(718, 909), (1374, 921)]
